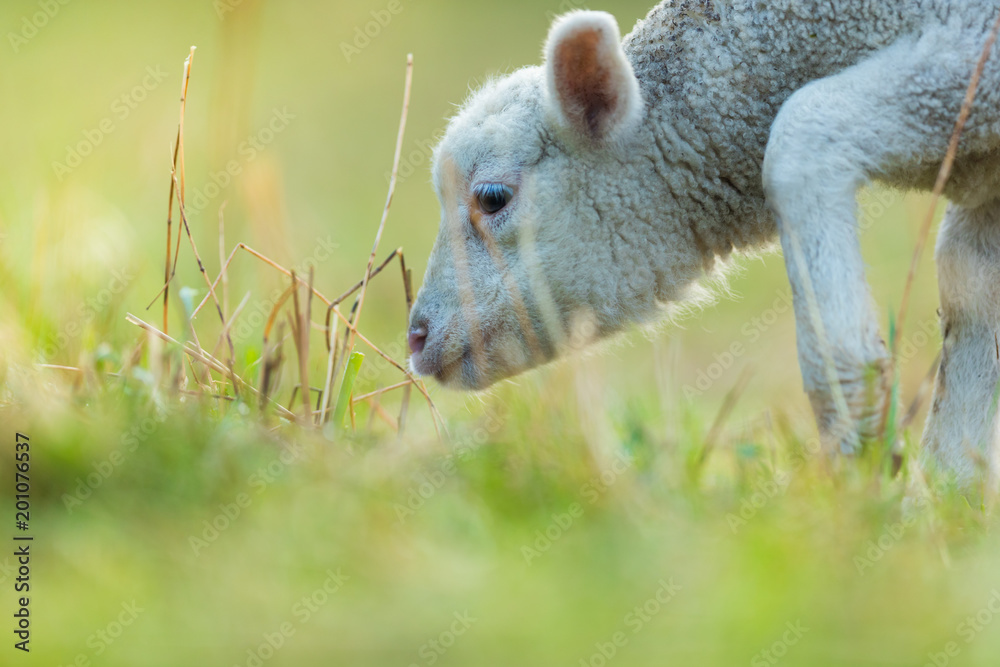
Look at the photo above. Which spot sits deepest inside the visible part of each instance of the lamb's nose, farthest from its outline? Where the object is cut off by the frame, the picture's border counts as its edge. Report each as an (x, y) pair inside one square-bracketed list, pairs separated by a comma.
[(417, 338)]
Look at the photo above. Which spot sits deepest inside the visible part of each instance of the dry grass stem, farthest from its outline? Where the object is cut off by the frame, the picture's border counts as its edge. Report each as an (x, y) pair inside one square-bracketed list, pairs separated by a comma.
[(392, 186), (178, 151), (299, 319), (383, 390), (331, 346), (222, 259), (923, 392), (204, 358), (728, 404)]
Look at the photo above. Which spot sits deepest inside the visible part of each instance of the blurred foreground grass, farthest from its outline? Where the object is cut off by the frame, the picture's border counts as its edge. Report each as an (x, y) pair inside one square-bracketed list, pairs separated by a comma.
[(566, 521), (554, 530)]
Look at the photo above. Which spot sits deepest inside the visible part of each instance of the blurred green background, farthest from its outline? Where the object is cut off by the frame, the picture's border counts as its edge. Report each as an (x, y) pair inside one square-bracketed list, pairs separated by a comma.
[(90, 113)]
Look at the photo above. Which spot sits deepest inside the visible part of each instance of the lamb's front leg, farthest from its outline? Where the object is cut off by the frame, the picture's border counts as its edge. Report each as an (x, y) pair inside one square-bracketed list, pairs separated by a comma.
[(820, 152), (842, 356)]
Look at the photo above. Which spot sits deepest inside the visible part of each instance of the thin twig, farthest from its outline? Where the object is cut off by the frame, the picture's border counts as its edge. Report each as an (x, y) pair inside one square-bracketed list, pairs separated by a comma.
[(267, 260), (70, 369), (331, 336), (222, 258), (332, 309), (273, 358), (417, 383), (378, 410), (203, 357), (204, 273), (303, 347), (167, 275), (384, 390), (404, 407), (922, 392), (276, 309), (229, 323), (340, 299), (732, 398), (392, 188), (224, 335)]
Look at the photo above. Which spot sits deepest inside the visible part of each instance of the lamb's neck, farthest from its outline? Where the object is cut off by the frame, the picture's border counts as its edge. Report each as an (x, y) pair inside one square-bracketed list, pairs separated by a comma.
[(710, 189), (705, 141)]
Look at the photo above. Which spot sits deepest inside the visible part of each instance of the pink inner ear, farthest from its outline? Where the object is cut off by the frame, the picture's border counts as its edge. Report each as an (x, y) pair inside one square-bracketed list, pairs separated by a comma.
[(583, 84)]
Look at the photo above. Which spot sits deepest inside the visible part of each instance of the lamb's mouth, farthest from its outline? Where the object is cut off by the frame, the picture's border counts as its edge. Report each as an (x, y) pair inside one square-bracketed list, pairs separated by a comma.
[(464, 368), (450, 371), (454, 368), (475, 366), (463, 372)]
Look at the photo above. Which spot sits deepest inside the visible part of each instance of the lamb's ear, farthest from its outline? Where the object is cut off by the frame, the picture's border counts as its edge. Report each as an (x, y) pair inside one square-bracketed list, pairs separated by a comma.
[(591, 83)]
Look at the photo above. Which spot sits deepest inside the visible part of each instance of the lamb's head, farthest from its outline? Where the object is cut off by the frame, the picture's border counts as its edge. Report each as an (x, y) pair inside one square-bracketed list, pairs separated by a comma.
[(519, 254)]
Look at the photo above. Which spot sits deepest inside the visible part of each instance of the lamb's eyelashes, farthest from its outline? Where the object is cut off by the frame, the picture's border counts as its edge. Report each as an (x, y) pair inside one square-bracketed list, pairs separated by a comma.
[(492, 197), (489, 204)]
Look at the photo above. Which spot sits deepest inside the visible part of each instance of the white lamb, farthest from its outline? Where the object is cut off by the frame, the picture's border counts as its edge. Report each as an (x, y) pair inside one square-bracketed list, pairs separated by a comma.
[(613, 177)]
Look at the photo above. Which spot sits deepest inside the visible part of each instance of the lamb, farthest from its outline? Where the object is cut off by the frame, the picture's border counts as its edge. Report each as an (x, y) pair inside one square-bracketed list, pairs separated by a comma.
[(602, 186)]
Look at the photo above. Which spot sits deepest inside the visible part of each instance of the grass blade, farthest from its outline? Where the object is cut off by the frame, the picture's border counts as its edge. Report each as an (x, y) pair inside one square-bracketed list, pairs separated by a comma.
[(346, 387)]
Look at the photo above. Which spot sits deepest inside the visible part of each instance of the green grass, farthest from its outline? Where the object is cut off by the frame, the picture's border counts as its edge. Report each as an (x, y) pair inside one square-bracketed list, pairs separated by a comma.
[(547, 521)]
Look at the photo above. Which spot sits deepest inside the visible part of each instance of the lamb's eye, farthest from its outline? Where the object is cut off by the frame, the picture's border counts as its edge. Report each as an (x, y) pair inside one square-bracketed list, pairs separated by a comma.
[(492, 197)]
